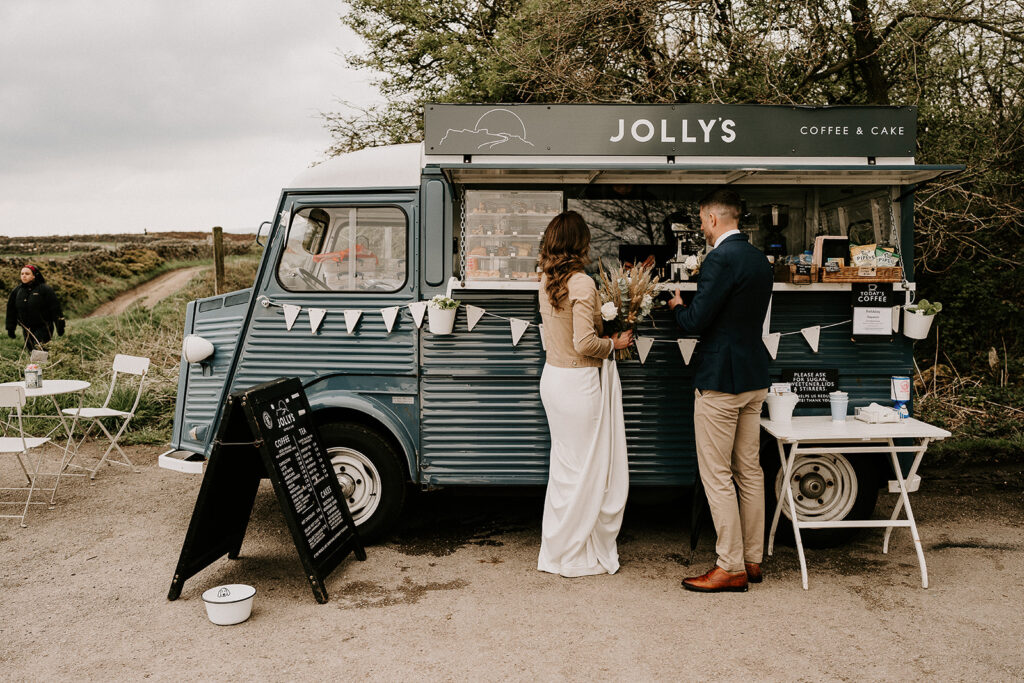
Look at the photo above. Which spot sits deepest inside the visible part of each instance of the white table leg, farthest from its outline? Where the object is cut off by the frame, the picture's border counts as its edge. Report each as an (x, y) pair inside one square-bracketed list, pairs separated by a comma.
[(779, 502), (918, 455), (910, 513), (787, 473)]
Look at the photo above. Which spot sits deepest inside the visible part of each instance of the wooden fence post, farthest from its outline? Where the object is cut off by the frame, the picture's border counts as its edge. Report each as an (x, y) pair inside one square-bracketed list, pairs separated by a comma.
[(218, 260)]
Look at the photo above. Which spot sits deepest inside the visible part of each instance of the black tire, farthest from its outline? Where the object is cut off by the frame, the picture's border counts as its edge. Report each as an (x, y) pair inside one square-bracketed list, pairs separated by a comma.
[(370, 469), (839, 499)]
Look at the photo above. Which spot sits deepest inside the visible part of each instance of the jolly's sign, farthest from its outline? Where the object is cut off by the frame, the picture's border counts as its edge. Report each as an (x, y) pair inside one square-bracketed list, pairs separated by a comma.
[(669, 130)]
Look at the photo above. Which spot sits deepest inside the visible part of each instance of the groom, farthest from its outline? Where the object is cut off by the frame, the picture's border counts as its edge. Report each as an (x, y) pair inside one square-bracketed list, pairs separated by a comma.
[(730, 382)]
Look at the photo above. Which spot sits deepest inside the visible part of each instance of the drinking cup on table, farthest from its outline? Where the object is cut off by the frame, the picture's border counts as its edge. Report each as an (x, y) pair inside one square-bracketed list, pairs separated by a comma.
[(839, 400)]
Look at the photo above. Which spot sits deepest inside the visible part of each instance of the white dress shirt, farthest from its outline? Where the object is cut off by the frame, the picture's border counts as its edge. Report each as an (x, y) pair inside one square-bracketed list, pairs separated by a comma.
[(722, 237)]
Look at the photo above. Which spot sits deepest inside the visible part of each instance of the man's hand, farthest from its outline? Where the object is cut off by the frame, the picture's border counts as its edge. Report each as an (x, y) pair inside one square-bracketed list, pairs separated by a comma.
[(621, 340), (676, 300)]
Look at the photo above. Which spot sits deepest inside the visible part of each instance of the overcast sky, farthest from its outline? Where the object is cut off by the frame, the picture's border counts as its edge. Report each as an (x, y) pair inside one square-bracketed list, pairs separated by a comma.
[(120, 115)]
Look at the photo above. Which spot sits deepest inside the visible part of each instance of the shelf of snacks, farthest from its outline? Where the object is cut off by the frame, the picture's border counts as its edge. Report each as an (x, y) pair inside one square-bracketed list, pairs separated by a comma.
[(503, 233)]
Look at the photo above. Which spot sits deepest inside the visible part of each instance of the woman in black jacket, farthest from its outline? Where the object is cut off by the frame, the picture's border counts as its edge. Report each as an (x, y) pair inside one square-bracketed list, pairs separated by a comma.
[(34, 307)]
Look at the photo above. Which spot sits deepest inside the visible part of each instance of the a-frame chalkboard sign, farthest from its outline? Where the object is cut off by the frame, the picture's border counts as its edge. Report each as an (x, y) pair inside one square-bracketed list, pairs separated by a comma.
[(268, 431)]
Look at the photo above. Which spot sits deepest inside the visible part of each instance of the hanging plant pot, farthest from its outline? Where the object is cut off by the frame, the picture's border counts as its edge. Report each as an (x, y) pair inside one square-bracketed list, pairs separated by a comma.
[(441, 320), (916, 325)]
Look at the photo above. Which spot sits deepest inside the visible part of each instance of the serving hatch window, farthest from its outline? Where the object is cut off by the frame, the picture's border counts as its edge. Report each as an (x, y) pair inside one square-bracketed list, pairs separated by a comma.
[(345, 249)]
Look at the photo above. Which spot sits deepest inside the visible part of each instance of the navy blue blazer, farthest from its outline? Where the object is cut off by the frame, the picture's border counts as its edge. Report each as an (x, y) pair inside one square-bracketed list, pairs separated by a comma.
[(728, 312)]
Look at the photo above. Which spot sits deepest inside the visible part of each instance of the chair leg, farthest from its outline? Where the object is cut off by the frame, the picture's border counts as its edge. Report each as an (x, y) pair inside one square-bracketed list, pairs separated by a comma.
[(31, 491), (85, 435), (112, 446)]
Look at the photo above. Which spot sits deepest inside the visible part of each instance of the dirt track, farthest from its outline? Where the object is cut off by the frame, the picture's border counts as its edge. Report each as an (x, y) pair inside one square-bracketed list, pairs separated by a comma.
[(149, 293), (455, 596)]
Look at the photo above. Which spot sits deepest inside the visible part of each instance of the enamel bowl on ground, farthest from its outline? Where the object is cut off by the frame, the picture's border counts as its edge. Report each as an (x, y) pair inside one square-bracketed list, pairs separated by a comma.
[(231, 604)]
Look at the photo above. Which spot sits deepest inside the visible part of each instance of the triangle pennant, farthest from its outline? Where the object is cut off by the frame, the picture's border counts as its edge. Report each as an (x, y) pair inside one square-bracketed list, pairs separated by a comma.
[(771, 342), (643, 345), (291, 312), (811, 334), (418, 308), (543, 344), (352, 319), (518, 327), (473, 315), (766, 325), (316, 316), (389, 314), (686, 347)]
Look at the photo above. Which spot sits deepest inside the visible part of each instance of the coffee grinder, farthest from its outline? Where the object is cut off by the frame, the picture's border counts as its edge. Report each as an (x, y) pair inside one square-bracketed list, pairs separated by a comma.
[(774, 219)]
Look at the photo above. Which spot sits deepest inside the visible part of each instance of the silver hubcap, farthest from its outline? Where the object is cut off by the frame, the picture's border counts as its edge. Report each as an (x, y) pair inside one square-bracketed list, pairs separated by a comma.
[(824, 487), (359, 479)]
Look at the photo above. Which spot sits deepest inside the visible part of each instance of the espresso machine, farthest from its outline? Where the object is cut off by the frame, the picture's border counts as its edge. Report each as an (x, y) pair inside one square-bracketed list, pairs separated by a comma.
[(689, 242)]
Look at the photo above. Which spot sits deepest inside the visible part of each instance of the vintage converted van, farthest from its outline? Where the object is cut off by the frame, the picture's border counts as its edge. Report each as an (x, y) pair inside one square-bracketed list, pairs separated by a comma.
[(462, 214)]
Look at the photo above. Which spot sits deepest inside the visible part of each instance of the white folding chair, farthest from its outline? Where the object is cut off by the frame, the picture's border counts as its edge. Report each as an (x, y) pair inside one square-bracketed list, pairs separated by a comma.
[(123, 365), (12, 397)]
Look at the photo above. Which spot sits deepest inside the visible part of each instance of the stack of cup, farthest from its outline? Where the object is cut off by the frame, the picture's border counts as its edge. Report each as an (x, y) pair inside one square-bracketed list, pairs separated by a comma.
[(839, 401)]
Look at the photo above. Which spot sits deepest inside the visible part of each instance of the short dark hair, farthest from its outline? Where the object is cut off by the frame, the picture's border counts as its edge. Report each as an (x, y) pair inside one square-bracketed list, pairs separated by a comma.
[(723, 197)]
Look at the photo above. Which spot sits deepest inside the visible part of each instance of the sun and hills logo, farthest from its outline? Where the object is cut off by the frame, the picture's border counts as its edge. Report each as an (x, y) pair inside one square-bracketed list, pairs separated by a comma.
[(494, 127)]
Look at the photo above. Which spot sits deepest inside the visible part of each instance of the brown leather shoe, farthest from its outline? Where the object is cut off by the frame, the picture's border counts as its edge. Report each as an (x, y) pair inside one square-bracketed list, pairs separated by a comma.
[(716, 581), (753, 572)]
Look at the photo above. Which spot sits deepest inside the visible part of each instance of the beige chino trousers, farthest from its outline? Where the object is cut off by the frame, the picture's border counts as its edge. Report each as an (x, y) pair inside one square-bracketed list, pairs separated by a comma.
[(727, 428)]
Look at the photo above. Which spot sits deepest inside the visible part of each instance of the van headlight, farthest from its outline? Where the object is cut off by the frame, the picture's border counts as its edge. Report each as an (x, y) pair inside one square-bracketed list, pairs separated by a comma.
[(195, 349)]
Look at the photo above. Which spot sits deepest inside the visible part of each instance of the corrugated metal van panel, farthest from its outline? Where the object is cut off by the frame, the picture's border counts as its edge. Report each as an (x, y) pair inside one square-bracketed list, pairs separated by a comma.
[(273, 351), (483, 422), (220, 325)]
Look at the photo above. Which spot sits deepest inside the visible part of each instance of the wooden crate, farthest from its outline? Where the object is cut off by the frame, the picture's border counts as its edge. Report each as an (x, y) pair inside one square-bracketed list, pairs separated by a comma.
[(784, 273), (855, 274)]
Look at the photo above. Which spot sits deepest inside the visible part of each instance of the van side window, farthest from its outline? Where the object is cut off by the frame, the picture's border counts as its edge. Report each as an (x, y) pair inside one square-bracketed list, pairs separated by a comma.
[(345, 249)]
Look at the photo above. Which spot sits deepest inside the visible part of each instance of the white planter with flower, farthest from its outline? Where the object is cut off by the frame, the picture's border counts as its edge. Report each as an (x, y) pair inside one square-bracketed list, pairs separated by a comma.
[(441, 312), (918, 318)]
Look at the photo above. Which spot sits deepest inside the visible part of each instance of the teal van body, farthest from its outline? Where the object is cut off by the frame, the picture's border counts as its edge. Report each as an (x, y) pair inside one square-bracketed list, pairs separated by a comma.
[(408, 407)]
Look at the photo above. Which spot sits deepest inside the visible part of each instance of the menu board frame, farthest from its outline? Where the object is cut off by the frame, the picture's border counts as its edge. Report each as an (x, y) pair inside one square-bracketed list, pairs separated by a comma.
[(275, 420)]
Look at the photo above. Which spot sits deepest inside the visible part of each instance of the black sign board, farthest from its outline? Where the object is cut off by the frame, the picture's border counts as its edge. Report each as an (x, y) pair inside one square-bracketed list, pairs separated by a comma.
[(267, 431), (669, 130), (812, 385), (872, 309)]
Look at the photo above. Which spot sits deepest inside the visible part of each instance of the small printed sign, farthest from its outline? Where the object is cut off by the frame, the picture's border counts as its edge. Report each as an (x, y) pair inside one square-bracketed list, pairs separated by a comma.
[(812, 385), (872, 309)]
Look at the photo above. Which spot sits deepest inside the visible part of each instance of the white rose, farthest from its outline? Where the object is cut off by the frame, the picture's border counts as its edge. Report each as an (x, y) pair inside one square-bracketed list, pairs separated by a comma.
[(691, 262), (609, 311)]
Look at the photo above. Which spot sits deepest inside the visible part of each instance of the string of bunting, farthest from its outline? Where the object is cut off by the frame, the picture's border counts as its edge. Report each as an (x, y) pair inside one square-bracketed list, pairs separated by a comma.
[(771, 341), (517, 326)]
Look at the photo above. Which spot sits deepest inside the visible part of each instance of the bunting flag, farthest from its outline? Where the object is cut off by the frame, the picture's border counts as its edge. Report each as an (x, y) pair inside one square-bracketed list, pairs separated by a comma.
[(811, 334), (473, 315), (291, 312), (418, 308), (352, 319), (686, 347), (389, 314), (518, 327), (771, 342), (316, 316), (543, 344), (643, 345), (766, 325)]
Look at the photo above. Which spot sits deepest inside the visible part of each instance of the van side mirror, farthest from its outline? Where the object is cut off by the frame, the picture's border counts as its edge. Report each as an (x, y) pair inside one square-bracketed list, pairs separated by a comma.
[(260, 232)]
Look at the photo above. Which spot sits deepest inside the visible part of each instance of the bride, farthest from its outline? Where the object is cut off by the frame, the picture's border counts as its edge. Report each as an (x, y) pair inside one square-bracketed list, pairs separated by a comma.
[(589, 478)]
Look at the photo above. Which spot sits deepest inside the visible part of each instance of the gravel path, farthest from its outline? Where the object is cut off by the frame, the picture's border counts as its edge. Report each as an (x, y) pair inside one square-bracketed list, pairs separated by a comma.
[(149, 293), (455, 595)]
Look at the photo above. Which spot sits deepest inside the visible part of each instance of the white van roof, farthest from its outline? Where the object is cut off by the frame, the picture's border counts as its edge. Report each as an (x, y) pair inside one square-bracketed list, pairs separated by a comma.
[(391, 166)]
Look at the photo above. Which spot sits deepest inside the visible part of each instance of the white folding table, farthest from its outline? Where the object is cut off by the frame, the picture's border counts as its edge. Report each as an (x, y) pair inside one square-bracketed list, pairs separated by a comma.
[(52, 388), (821, 436)]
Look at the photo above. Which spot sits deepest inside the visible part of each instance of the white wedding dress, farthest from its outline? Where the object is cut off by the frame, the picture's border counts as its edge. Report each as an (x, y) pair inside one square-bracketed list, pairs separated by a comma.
[(589, 476)]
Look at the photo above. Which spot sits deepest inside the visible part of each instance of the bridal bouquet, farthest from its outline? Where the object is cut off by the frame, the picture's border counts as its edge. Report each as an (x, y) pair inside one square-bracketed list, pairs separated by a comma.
[(627, 297)]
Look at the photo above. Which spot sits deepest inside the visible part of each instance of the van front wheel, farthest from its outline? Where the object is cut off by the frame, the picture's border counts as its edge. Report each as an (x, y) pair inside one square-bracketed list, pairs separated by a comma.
[(370, 474)]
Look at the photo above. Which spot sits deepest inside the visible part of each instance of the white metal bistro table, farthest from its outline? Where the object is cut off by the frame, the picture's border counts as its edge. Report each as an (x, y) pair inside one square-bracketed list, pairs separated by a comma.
[(52, 388), (821, 436)]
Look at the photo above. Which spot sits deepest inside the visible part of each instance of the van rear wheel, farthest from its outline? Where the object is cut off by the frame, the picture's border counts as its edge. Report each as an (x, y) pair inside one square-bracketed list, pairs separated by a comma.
[(826, 487), (370, 473)]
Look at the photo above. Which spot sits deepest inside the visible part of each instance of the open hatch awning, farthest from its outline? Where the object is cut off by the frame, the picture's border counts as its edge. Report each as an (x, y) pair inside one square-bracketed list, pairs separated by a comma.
[(725, 174)]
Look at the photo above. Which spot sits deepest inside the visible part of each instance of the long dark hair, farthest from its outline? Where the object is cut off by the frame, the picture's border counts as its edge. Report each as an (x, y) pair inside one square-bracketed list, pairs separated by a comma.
[(564, 250)]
